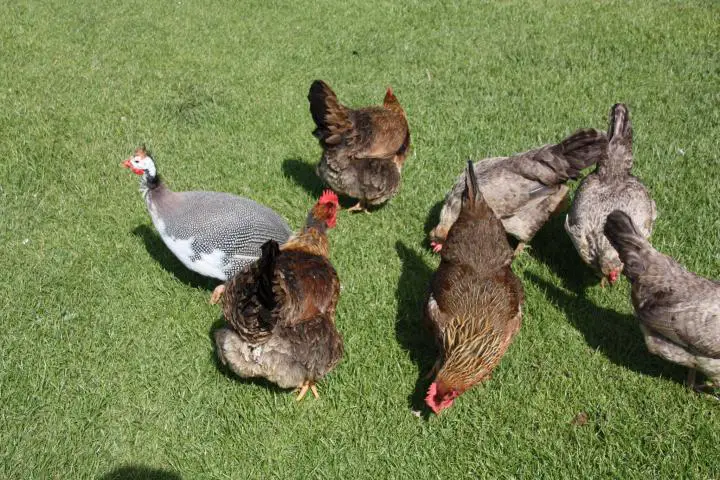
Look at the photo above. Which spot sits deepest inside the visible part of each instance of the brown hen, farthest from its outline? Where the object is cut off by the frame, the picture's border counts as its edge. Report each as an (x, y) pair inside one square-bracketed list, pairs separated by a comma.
[(364, 149), (475, 299), (281, 311)]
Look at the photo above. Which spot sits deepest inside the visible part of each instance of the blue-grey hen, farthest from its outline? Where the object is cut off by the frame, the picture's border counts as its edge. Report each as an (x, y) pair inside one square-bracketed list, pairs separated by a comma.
[(610, 187), (679, 311), (212, 233)]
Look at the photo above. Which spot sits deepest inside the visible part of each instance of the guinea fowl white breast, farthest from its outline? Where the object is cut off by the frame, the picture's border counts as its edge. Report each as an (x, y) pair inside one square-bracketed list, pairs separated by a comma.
[(212, 233)]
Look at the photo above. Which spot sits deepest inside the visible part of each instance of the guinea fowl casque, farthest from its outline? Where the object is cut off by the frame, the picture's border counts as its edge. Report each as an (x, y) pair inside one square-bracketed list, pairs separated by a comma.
[(214, 234), (281, 311), (610, 187), (525, 189), (474, 306), (364, 149), (679, 312)]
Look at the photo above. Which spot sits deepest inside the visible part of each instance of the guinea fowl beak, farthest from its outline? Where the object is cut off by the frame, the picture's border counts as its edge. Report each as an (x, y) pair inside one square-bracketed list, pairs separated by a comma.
[(126, 164)]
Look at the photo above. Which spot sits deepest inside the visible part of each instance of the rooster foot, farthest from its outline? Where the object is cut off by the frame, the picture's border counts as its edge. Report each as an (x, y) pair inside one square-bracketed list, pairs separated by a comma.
[(519, 249), (359, 207), (302, 390), (217, 294)]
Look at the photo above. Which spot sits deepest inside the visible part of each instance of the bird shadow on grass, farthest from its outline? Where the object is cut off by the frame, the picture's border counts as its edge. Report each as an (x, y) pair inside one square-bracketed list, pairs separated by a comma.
[(552, 246), (227, 371), (304, 175), (161, 254), (410, 329), (139, 472), (616, 335)]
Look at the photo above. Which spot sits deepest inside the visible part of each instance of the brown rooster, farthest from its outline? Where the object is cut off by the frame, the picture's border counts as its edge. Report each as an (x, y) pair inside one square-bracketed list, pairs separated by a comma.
[(475, 299), (281, 311), (364, 149)]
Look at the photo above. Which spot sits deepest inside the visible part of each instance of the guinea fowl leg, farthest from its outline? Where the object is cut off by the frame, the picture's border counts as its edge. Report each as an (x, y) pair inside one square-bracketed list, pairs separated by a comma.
[(217, 294), (359, 207)]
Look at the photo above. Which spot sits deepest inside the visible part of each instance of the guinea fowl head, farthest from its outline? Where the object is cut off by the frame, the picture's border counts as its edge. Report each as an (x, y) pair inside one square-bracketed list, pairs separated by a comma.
[(141, 163), (325, 210)]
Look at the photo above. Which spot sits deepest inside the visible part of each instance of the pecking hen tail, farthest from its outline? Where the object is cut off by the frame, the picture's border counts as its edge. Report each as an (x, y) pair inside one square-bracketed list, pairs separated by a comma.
[(627, 240), (331, 117), (580, 150)]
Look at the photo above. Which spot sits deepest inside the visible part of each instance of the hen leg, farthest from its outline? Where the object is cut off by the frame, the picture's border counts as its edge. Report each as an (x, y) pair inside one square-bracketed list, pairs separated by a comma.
[(303, 389), (518, 250), (359, 207), (217, 294)]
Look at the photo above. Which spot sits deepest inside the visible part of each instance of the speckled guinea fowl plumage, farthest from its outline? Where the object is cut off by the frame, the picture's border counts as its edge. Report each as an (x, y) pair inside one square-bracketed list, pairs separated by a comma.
[(281, 310), (474, 306), (363, 149), (679, 311), (212, 233), (525, 189), (610, 187)]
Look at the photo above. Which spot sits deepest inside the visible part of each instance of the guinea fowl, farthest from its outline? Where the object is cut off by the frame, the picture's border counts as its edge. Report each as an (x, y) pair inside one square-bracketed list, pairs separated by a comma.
[(679, 312), (474, 306), (610, 187), (525, 189), (281, 311), (214, 234), (363, 150)]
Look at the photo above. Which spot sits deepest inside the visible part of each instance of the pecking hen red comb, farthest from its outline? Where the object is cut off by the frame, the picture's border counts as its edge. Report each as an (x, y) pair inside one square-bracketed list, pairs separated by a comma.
[(328, 196)]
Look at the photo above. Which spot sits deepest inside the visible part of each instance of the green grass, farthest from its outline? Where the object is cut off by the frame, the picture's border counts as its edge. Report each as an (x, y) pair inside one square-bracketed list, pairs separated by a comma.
[(107, 367)]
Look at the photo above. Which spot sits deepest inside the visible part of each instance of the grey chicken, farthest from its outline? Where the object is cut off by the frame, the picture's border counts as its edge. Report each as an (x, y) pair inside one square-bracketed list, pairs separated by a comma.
[(679, 311), (475, 300), (610, 187), (525, 189), (214, 234), (363, 149), (281, 310)]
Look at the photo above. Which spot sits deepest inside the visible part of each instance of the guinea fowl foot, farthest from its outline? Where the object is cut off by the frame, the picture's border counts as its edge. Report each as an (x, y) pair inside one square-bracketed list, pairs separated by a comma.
[(302, 390), (359, 207), (217, 294)]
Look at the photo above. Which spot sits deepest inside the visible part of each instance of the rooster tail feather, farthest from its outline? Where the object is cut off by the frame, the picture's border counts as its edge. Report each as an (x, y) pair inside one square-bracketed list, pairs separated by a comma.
[(330, 117), (266, 273), (627, 240)]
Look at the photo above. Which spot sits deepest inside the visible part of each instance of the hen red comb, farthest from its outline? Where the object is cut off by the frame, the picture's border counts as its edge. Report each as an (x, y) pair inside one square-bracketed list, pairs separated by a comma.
[(328, 196)]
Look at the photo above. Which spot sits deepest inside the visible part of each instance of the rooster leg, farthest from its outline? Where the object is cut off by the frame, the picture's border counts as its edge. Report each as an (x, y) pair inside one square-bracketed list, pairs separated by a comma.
[(359, 207), (217, 294), (518, 250)]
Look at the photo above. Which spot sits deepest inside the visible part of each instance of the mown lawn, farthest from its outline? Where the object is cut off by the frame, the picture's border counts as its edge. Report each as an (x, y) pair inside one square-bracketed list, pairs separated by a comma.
[(107, 367)]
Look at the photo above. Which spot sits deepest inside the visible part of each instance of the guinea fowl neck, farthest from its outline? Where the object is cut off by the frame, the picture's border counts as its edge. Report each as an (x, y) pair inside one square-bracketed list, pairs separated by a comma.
[(149, 182)]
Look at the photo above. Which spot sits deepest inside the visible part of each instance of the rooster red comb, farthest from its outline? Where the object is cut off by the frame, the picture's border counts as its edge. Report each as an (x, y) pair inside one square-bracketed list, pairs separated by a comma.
[(328, 196)]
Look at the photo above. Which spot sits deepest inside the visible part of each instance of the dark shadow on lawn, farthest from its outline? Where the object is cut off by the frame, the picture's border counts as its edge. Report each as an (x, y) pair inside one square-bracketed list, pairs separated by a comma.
[(411, 330), (553, 247), (225, 369), (161, 254), (303, 174), (615, 335), (139, 472)]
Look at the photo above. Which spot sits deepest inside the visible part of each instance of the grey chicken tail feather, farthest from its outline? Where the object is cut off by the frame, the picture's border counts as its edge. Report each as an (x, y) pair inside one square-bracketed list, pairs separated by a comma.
[(627, 240), (581, 150), (471, 186), (620, 126)]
